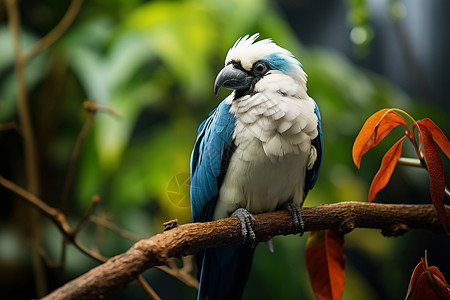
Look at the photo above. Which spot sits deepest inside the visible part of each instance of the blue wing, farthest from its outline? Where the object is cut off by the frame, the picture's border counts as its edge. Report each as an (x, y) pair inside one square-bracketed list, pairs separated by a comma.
[(209, 161), (222, 271), (311, 175)]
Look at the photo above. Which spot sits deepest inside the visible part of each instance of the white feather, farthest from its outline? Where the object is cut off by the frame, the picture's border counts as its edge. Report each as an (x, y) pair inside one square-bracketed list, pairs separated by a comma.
[(268, 168)]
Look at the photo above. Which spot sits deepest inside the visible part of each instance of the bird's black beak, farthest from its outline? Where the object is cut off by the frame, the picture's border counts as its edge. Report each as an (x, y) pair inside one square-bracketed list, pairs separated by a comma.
[(233, 79)]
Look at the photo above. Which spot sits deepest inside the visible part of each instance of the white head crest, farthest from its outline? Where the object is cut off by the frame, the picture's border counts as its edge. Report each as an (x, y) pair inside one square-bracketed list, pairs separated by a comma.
[(247, 51)]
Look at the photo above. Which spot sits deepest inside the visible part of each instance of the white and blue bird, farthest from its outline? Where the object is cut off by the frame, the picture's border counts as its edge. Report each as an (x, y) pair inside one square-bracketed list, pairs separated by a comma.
[(260, 150)]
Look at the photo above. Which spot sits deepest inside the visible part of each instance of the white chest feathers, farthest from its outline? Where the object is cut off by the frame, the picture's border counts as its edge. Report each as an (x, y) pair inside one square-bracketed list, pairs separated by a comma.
[(273, 134)]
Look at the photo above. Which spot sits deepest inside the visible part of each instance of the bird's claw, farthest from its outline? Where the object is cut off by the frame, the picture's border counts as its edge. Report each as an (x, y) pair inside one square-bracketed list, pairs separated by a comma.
[(296, 214), (247, 222)]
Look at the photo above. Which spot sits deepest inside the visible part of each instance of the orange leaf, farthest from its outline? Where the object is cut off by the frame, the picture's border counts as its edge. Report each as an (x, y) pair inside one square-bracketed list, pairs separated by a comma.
[(418, 270), (427, 283), (387, 167), (373, 131), (423, 288), (325, 261), (439, 284), (436, 173), (438, 136)]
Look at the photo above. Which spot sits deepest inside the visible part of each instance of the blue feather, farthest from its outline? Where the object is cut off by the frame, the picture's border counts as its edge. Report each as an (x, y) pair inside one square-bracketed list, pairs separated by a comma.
[(311, 175), (215, 135), (223, 271), (278, 61)]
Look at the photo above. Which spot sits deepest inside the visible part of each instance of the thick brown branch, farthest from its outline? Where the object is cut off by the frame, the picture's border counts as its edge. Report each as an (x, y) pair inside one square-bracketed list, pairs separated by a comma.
[(392, 219)]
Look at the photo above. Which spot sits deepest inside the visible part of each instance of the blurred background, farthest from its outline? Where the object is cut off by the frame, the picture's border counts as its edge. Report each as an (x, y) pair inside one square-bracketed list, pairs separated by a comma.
[(154, 63)]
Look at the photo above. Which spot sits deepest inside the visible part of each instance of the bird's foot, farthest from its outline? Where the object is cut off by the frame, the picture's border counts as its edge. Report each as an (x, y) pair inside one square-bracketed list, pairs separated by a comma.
[(296, 213), (247, 222)]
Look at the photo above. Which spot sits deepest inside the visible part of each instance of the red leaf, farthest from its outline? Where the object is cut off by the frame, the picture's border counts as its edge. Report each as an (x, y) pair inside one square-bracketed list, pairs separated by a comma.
[(424, 289), (418, 270), (438, 136), (387, 167), (427, 284), (325, 261), (440, 286), (373, 131), (436, 173)]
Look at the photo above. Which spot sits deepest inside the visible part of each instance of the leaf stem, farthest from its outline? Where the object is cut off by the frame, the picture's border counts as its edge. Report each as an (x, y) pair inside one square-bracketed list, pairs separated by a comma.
[(412, 123), (418, 163), (410, 162)]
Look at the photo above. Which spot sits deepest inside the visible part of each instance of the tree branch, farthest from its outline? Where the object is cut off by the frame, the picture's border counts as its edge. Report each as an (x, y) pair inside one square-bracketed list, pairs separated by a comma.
[(61, 223), (29, 143), (56, 32), (104, 280)]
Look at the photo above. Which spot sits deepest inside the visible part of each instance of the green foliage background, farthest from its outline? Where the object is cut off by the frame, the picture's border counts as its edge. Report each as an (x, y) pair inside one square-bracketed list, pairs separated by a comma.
[(155, 63)]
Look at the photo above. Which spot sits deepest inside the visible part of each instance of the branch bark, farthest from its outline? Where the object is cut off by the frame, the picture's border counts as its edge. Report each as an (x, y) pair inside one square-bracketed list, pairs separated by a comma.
[(113, 275)]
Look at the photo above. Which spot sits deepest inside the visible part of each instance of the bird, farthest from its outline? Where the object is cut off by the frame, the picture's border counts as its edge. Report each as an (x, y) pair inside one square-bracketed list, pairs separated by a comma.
[(259, 150)]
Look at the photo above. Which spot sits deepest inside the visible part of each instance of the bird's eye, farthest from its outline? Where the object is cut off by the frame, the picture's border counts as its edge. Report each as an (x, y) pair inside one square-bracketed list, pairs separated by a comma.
[(260, 68)]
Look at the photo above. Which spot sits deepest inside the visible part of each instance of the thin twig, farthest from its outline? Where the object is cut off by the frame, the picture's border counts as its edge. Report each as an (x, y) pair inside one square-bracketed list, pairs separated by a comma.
[(62, 261), (51, 212), (48, 261), (29, 144), (415, 162), (113, 227), (75, 155), (56, 32), (85, 219), (147, 288), (30, 149), (54, 214), (78, 228), (98, 237), (93, 254), (92, 109), (24, 113), (182, 274), (9, 126), (93, 106), (60, 221), (187, 263)]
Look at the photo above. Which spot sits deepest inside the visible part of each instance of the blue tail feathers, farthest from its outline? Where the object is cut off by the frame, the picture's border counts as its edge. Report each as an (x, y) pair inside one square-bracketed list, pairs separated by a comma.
[(224, 271)]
